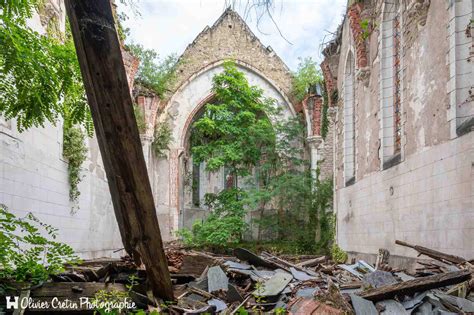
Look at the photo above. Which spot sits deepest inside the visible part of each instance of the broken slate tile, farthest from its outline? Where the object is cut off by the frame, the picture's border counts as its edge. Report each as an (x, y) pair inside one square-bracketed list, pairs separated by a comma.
[(216, 279), (200, 284), (404, 276), (236, 265), (306, 292), (359, 269), (274, 285), (363, 306), (416, 300), (391, 307), (463, 304), (219, 304), (233, 295), (379, 279), (423, 309), (300, 275)]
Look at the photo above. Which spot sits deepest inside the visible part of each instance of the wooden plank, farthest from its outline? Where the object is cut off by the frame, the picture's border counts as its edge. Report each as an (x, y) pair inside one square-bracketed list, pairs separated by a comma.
[(74, 289), (108, 94), (433, 253), (312, 262), (416, 285)]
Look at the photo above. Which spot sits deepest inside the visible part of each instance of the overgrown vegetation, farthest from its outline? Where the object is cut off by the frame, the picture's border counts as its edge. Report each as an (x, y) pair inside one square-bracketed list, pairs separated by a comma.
[(306, 76), (28, 250), (40, 79), (235, 132), (75, 152), (154, 73), (139, 118), (225, 223), (161, 139)]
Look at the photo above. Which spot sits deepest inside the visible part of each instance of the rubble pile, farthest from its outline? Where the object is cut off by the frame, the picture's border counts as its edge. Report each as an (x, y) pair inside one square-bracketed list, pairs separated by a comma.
[(205, 283)]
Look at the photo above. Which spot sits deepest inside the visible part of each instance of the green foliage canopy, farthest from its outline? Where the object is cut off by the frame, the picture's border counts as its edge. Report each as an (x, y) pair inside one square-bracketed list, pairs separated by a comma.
[(40, 79), (154, 73), (234, 130), (308, 74)]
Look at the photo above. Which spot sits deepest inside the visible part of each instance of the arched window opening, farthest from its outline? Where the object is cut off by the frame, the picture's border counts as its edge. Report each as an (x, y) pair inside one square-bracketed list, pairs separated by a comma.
[(349, 121), (391, 84)]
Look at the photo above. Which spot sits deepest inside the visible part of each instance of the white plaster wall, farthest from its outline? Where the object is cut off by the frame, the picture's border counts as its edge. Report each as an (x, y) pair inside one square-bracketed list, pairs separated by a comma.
[(432, 204), (34, 178)]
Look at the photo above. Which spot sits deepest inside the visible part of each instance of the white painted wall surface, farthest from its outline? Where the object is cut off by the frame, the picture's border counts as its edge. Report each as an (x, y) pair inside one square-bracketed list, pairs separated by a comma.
[(432, 203)]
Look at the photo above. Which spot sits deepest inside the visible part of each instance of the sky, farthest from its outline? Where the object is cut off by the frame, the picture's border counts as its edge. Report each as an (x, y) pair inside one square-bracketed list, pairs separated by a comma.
[(168, 26)]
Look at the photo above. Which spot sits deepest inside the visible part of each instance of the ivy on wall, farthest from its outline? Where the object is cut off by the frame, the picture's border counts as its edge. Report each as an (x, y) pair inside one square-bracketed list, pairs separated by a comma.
[(75, 151), (162, 139)]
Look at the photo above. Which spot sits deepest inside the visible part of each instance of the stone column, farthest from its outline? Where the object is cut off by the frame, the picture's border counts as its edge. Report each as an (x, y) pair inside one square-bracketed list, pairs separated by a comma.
[(314, 143), (174, 184)]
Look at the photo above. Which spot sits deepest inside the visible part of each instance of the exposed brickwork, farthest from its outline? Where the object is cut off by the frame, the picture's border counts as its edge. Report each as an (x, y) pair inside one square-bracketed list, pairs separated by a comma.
[(317, 115), (329, 80), (354, 15), (131, 64), (231, 38), (427, 198)]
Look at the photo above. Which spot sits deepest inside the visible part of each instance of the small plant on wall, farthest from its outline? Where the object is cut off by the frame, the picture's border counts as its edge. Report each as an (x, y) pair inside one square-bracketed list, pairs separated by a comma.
[(75, 152), (162, 139)]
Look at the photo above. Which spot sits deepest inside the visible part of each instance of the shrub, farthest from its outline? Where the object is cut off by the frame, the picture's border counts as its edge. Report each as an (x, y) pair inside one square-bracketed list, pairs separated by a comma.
[(28, 250)]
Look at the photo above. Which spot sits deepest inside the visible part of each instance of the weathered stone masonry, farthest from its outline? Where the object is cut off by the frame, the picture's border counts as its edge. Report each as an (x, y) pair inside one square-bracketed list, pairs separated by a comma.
[(424, 194)]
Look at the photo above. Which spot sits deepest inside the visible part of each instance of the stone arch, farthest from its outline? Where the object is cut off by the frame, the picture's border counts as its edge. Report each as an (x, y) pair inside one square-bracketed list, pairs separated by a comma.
[(184, 105), (200, 84)]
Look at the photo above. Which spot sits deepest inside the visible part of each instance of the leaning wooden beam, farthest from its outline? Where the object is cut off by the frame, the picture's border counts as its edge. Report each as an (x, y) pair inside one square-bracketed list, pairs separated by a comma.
[(416, 285), (433, 253), (108, 94)]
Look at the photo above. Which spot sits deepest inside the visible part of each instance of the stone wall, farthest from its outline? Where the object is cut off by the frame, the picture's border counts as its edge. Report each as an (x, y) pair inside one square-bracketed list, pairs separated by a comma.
[(424, 194), (231, 38)]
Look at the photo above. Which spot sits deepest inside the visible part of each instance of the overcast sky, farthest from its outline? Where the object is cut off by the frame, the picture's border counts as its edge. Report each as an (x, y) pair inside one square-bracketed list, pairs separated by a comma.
[(168, 26)]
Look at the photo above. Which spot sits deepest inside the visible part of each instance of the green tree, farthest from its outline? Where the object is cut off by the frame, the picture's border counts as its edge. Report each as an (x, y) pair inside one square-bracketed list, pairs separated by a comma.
[(234, 131), (307, 75), (40, 79), (154, 73)]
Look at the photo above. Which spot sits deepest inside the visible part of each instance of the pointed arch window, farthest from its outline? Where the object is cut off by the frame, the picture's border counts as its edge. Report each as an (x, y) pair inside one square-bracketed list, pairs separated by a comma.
[(349, 121), (391, 84)]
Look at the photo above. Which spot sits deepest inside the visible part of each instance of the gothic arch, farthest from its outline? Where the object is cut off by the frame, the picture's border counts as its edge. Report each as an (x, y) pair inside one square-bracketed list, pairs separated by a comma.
[(193, 93)]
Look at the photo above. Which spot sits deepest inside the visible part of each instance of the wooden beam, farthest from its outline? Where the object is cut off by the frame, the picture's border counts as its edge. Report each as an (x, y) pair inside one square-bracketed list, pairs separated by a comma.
[(109, 98), (416, 285), (433, 253)]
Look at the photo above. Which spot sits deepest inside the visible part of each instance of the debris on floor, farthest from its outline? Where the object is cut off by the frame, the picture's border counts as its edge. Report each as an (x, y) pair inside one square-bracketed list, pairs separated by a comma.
[(206, 283)]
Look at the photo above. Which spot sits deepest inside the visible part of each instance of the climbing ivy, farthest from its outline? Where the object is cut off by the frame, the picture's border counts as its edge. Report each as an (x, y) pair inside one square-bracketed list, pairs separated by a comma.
[(75, 152), (139, 118), (324, 114), (161, 139)]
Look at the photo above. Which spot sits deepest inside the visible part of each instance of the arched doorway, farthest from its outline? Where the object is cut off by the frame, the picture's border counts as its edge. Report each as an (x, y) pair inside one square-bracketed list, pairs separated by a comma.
[(182, 109)]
